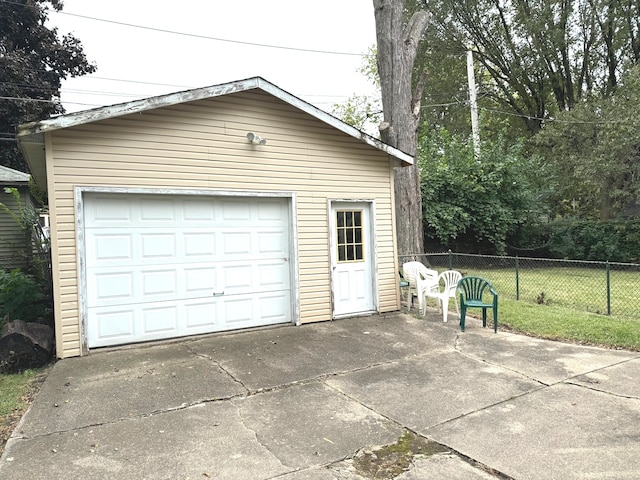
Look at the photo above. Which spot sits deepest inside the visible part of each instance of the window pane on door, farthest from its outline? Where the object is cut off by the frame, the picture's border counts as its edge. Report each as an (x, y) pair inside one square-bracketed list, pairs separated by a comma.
[(350, 235)]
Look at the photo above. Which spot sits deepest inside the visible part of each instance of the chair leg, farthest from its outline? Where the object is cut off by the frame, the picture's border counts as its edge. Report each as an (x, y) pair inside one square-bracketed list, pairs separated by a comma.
[(463, 312), (444, 302), (484, 317), (495, 319)]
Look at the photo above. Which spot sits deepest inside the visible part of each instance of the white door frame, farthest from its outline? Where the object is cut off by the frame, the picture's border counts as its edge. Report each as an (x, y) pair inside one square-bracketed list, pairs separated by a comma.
[(370, 303)]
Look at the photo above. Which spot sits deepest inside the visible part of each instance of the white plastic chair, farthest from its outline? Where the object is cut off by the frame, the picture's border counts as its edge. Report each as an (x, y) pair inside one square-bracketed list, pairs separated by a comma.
[(450, 280), (420, 280)]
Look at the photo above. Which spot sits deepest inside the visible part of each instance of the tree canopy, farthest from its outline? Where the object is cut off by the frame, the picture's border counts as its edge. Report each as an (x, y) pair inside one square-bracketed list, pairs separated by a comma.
[(543, 56), (558, 98), (592, 153), (34, 59)]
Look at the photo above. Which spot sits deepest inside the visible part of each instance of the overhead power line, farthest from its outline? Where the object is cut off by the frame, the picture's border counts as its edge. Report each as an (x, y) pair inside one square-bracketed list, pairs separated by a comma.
[(195, 35), (206, 37), (27, 99)]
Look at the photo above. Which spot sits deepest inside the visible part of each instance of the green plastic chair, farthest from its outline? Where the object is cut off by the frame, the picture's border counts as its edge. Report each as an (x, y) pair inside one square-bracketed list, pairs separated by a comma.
[(471, 291)]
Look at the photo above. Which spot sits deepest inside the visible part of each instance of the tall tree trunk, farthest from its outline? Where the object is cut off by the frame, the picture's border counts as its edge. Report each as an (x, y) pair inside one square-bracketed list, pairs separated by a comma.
[(398, 42)]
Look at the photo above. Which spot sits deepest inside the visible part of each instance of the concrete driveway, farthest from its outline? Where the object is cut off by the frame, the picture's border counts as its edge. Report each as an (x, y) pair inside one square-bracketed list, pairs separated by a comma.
[(317, 401)]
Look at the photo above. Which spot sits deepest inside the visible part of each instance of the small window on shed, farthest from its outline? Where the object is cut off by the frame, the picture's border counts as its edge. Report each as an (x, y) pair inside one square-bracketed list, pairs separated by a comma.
[(350, 236)]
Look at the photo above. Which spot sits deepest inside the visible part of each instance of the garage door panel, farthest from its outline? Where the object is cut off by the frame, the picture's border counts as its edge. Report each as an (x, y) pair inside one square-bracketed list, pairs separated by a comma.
[(272, 212), (273, 307), (113, 287), (167, 267), (236, 243), (157, 210), (200, 280), (237, 277), (200, 317), (199, 244), (159, 282), (109, 212), (108, 247), (272, 276), (112, 327), (154, 245), (156, 320), (198, 211), (271, 243), (234, 211)]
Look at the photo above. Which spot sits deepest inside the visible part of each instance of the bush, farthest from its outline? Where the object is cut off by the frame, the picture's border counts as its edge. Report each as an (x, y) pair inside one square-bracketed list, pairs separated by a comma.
[(21, 297), (616, 240)]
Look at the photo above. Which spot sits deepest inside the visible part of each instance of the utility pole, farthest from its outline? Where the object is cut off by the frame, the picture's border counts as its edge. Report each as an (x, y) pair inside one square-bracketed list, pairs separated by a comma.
[(473, 102)]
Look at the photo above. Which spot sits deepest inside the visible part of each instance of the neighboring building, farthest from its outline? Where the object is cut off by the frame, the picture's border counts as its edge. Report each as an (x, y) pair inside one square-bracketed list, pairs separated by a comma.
[(11, 235), (226, 207)]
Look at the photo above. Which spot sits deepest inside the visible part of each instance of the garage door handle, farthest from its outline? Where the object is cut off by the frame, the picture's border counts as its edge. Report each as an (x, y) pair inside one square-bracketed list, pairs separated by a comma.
[(218, 294)]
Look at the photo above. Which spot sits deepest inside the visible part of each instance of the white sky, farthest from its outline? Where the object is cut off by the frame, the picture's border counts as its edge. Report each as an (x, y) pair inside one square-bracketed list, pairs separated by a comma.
[(126, 55)]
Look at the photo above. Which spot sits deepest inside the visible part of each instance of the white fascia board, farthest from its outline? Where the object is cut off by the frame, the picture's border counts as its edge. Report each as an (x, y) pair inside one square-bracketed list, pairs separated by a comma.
[(136, 106)]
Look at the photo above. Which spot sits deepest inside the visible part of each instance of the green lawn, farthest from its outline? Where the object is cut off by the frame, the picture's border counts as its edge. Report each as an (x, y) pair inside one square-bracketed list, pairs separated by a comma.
[(582, 289), (13, 387), (16, 391), (567, 324)]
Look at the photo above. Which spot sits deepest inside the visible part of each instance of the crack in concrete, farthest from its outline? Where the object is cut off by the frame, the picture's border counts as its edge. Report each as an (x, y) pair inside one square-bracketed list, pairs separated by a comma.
[(154, 413), (220, 366), (599, 390), (513, 370), (257, 438), (467, 459)]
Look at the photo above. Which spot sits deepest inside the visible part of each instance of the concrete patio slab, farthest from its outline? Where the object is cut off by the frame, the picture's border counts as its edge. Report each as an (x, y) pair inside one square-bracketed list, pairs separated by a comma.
[(301, 402), (205, 441), (421, 392), (312, 425), (105, 388), (268, 358), (542, 360), (560, 432), (619, 379)]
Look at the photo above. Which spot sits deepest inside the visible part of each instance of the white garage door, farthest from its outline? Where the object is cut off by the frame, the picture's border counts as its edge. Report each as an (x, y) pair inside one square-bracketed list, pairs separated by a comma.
[(162, 266)]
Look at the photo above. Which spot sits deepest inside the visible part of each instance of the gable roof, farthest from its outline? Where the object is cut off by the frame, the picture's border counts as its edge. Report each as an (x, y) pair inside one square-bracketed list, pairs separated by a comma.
[(31, 135), (9, 176)]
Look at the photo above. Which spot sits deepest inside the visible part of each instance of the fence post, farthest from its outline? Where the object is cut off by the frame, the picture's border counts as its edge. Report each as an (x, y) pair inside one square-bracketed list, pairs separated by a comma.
[(450, 260), (608, 288), (517, 279)]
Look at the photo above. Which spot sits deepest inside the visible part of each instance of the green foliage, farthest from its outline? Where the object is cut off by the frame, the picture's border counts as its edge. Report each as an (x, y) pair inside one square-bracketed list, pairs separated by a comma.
[(469, 203), (616, 241), (593, 154), (361, 112), (21, 297), (26, 295), (540, 57), (26, 219), (33, 61)]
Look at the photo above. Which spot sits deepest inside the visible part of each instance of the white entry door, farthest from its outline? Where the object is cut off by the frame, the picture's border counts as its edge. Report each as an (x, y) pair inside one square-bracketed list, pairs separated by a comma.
[(352, 258), (162, 266)]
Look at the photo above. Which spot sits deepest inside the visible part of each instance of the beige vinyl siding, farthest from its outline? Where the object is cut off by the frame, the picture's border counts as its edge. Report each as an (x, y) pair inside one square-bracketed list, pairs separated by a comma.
[(203, 145)]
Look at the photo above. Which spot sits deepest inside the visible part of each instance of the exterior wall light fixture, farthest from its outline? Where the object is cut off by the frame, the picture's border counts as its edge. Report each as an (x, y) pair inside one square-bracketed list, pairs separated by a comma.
[(256, 139)]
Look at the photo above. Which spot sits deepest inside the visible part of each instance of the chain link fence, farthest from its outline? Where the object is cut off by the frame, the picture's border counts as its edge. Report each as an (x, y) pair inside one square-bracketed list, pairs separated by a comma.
[(607, 288)]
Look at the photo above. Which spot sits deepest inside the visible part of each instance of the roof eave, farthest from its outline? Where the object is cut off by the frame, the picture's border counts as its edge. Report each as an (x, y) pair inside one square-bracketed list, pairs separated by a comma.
[(33, 129)]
